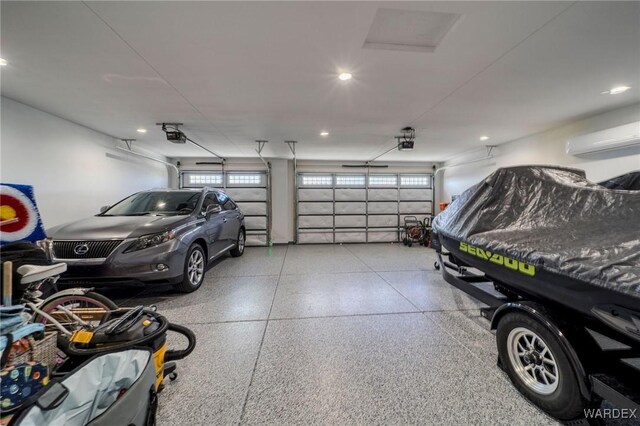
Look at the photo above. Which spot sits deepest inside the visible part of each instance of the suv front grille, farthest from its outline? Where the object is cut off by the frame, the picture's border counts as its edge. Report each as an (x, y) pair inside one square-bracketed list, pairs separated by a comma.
[(84, 249)]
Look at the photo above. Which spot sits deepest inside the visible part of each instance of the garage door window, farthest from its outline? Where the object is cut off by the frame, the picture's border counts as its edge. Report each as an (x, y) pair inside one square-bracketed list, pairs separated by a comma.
[(383, 180), (350, 180), (198, 180), (423, 181), (246, 179), (317, 180)]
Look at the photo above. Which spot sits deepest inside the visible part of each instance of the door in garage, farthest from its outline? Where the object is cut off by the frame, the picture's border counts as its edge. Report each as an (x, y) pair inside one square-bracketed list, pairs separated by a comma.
[(250, 190), (359, 207)]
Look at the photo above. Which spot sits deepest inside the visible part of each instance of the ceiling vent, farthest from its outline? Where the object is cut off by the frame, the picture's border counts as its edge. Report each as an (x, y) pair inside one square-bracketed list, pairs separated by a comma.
[(409, 30)]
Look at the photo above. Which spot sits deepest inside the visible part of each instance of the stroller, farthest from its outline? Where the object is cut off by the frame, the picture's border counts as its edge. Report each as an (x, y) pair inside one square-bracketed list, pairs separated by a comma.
[(416, 231)]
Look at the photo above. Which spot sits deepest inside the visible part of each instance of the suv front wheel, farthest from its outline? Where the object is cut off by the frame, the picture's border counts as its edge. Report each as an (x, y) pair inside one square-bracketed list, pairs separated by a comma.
[(240, 243), (193, 273)]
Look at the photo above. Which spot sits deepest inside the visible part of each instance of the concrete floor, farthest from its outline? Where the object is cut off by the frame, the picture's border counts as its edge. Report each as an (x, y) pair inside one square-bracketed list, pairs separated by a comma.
[(329, 334)]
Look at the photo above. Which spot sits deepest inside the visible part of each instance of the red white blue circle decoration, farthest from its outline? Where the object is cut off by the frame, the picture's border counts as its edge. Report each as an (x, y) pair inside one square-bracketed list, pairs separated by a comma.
[(19, 216)]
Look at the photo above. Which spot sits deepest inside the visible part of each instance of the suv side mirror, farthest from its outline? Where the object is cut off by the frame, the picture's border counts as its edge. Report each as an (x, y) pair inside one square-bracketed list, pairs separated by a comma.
[(104, 209), (211, 209)]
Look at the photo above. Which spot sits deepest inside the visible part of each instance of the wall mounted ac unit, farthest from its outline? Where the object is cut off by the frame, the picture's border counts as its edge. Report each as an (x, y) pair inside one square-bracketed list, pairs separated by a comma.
[(625, 136)]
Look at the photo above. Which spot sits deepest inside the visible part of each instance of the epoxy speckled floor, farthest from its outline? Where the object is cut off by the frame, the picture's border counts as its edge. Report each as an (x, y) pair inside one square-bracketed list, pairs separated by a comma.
[(334, 335)]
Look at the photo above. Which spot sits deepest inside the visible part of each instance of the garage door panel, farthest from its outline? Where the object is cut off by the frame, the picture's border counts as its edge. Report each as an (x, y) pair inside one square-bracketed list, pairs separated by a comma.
[(383, 207), (315, 222), (421, 207), (256, 240), (351, 208), (320, 194), (257, 222), (254, 209), (315, 208), (366, 207), (351, 237), (315, 238), (351, 194), (249, 189), (379, 237), (247, 194), (415, 194), (383, 220), (351, 221), (383, 195)]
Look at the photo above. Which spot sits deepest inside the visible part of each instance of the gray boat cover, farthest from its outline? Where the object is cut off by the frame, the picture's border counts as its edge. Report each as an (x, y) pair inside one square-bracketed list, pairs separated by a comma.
[(553, 218), (629, 181)]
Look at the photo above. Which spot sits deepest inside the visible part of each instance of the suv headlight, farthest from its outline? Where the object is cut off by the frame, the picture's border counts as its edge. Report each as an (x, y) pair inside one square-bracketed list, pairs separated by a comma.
[(151, 240)]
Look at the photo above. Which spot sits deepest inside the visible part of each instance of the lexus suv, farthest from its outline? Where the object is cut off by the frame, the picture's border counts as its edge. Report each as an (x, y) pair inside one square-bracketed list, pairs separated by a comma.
[(156, 236)]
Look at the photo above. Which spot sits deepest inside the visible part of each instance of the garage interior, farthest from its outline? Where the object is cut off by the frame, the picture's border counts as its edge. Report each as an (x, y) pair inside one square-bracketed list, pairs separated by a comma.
[(330, 125)]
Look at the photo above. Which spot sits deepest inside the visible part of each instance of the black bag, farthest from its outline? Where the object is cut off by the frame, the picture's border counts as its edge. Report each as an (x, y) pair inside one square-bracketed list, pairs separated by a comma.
[(126, 395)]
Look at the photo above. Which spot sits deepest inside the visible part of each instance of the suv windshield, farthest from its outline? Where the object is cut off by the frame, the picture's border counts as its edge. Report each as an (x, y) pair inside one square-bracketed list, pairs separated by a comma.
[(156, 203)]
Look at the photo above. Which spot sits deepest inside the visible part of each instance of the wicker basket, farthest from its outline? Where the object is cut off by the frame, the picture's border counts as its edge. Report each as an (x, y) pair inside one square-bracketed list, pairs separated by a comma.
[(43, 350)]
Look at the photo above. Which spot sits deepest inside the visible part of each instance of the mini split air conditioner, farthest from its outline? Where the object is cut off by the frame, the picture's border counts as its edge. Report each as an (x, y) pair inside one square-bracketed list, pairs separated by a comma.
[(625, 136)]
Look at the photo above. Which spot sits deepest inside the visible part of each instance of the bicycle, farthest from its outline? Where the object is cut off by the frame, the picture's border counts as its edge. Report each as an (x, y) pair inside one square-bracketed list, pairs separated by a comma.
[(66, 310)]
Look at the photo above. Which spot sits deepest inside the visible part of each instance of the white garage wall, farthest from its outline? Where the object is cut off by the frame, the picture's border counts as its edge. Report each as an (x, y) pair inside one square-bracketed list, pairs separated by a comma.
[(549, 148), (282, 188), (74, 170)]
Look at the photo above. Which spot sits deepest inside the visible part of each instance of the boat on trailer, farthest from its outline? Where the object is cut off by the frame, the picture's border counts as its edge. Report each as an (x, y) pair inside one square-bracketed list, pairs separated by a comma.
[(556, 259)]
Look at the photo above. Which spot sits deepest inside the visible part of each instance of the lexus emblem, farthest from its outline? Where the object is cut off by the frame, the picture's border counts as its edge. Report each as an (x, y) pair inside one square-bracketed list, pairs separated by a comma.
[(81, 249)]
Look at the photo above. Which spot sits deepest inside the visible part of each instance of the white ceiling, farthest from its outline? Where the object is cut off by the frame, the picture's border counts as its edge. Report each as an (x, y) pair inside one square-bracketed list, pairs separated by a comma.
[(234, 72)]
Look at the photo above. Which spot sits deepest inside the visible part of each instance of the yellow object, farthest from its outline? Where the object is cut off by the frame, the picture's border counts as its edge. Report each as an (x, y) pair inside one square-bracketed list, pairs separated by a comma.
[(82, 336), (7, 212), (146, 323), (158, 360)]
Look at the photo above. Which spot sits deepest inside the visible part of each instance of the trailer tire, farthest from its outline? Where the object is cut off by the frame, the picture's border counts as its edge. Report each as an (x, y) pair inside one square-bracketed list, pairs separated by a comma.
[(538, 367)]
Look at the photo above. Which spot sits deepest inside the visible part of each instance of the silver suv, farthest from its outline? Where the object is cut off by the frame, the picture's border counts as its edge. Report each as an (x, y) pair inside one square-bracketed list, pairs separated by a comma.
[(156, 236)]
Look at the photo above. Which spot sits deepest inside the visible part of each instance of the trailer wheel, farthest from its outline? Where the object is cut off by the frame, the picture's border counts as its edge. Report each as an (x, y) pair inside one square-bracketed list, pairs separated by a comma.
[(538, 366)]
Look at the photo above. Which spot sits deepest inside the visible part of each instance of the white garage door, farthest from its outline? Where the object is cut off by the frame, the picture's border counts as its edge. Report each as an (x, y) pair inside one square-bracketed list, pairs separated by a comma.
[(350, 208), (249, 189)]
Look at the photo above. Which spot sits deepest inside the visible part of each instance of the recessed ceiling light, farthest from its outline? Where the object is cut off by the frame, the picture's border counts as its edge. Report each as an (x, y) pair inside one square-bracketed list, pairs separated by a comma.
[(484, 138), (616, 90), (141, 130), (3, 62), (324, 133), (345, 76)]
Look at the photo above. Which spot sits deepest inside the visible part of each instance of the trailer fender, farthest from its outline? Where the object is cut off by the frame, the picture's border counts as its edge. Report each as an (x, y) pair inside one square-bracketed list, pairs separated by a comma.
[(68, 292), (538, 312)]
